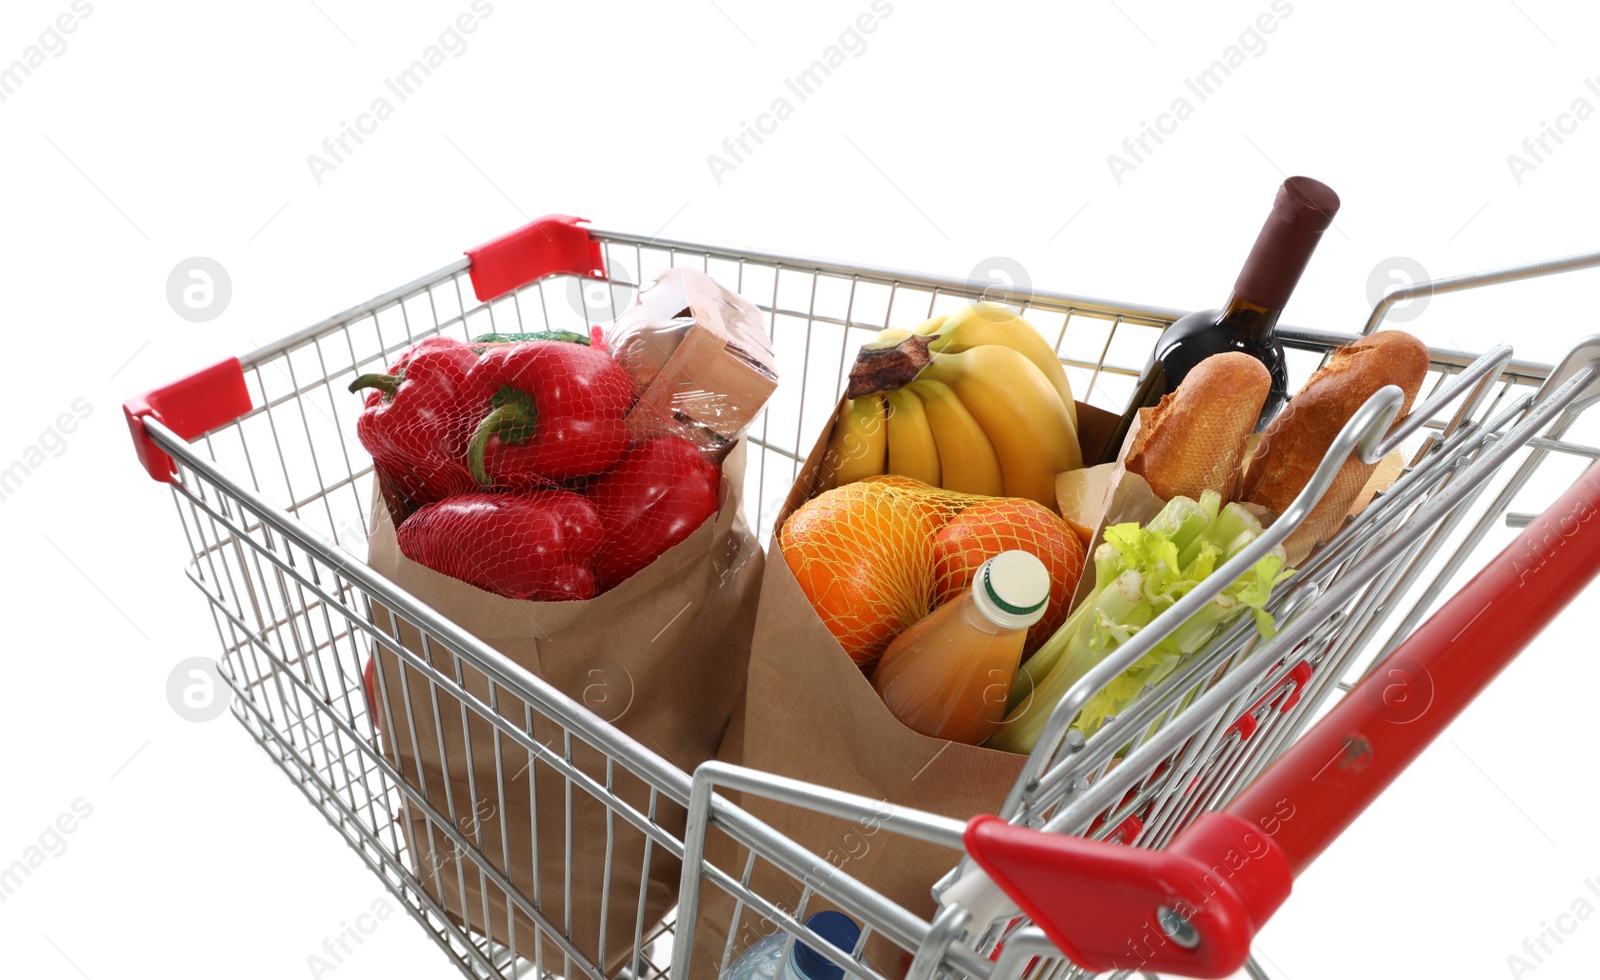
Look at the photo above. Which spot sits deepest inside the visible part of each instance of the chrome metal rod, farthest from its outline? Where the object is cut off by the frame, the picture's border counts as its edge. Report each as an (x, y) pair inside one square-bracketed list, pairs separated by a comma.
[(1021, 948), (1472, 280), (918, 824), (1325, 341), (1046, 299), (944, 932), (1255, 971), (1304, 338), (1570, 448), (1483, 374), (379, 302), (1475, 536)]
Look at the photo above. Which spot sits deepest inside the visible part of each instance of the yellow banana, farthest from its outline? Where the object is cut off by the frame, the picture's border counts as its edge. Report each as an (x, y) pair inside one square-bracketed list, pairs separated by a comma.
[(967, 459), (859, 445), (888, 337), (978, 324), (912, 450), (1020, 413), (928, 326)]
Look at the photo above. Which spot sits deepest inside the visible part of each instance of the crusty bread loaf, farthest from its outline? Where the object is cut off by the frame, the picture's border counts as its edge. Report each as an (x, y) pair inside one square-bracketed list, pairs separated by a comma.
[(1193, 441), (1293, 445)]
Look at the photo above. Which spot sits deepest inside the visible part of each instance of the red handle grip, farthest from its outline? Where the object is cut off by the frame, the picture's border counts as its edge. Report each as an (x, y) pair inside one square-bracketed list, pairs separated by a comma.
[(553, 244), (190, 407), (1193, 908)]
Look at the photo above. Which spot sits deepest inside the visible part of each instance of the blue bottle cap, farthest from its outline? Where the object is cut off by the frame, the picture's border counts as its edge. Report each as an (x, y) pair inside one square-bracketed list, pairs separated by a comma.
[(838, 929)]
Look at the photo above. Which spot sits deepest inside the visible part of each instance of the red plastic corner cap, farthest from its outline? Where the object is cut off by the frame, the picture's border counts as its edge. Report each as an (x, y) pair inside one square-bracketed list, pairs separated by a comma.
[(551, 245), (1190, 910), (191, 407)]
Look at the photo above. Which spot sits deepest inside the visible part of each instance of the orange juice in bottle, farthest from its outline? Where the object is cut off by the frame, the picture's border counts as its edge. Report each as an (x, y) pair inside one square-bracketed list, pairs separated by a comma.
[(949, 674)]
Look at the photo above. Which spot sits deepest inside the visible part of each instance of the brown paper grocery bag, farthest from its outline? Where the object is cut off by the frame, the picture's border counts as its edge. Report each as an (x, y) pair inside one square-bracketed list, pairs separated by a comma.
[(661, 656), (811, 714)]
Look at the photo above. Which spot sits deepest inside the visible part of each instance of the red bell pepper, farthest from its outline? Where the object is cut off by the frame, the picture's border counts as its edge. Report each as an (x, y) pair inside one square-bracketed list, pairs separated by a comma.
[(414, 423), (537, 545), (549, 411), (659, 494)]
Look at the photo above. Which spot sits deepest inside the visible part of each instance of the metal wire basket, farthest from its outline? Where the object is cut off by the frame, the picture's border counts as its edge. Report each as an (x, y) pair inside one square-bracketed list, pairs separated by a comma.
[(272, 491)]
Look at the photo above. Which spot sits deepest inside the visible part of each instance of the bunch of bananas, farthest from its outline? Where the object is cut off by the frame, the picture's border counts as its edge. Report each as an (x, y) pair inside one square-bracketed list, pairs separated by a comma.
[(975, 402)]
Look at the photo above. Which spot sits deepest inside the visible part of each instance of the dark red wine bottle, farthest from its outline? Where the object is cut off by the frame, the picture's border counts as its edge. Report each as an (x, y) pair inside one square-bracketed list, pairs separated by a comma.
[(1302, 211)]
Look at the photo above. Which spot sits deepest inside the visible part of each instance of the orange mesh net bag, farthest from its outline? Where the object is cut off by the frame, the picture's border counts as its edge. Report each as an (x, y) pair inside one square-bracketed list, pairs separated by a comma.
[(875, 556)]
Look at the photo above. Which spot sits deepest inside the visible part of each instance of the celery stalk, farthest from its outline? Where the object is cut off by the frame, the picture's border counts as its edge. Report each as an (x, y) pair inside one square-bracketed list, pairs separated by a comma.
[(1119, 599), (1139, 573)]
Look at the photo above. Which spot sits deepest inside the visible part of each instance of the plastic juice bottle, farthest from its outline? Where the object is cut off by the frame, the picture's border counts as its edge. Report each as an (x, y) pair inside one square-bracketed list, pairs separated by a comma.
[(949, 674), (765, 959)]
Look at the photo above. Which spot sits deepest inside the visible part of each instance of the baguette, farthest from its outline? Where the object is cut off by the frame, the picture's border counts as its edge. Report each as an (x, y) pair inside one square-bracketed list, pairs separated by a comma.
[(1194, 439), (1293, 445)]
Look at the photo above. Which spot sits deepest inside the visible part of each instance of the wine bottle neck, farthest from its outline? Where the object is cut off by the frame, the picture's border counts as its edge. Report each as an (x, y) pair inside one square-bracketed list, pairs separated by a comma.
[(1302, 210), (1250, 322)]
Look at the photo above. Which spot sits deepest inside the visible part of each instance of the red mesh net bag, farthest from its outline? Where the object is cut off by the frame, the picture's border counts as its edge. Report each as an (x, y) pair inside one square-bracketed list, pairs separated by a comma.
[(511, 466)]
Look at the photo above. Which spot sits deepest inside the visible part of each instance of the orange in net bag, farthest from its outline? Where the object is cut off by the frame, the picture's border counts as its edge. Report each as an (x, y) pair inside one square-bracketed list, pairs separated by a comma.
[(995, 524), (875, 556)]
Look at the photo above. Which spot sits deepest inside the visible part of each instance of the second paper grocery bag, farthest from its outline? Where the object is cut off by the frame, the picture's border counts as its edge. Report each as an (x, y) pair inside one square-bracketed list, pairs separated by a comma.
[(810, 713)]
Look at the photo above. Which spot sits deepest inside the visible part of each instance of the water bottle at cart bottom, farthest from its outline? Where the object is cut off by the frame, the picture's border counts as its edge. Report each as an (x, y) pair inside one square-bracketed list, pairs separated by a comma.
[(766, 960)]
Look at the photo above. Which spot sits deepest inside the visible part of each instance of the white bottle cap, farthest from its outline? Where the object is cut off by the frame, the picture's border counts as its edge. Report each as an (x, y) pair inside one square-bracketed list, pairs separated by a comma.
[(1011, 589)]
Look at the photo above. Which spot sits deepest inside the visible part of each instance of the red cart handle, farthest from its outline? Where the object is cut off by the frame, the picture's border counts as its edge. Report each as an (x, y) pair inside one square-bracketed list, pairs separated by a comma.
[(190, 407), (1193, 908), (547, 246)]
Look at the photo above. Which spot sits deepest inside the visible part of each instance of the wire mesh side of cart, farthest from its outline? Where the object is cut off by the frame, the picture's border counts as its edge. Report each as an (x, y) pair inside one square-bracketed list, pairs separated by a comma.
[(275, 508)]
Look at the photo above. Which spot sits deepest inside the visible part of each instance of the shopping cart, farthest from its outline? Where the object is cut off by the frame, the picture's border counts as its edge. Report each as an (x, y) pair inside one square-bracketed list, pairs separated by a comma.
[(273, 491)]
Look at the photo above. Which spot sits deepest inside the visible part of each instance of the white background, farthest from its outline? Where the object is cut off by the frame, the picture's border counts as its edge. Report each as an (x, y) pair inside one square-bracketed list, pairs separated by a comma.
[(963, 131)]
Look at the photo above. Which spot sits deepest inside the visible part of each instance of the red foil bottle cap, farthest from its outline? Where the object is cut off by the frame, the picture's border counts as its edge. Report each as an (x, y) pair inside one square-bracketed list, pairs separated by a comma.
[(1303, 210)]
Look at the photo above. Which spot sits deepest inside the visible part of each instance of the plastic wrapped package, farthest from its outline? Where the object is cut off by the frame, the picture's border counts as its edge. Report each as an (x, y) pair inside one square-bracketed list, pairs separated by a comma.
[(700, 360)]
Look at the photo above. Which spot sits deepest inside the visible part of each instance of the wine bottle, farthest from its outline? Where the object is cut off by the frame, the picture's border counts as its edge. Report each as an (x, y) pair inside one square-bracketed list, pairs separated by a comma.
[(1303, 210)]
